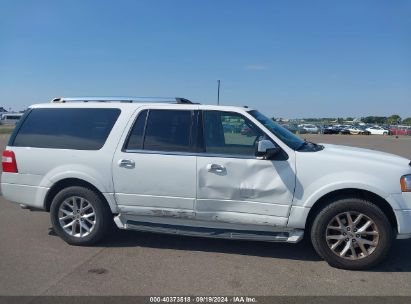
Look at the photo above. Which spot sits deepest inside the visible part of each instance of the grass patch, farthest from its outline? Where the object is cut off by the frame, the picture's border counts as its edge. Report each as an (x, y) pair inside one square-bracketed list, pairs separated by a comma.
[(6, 129)]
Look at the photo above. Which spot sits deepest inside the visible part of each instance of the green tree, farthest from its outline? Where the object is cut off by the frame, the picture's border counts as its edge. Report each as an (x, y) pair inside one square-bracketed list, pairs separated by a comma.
[(394, 119), (407, 121), (374, 119)]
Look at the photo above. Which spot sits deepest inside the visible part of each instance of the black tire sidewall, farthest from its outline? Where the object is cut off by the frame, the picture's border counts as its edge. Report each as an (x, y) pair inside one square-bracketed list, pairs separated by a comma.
[(100, 208), (318, 231)]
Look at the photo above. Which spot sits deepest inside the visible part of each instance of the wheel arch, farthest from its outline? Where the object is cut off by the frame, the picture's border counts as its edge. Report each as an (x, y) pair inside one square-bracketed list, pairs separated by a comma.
[(372, 197), (70, 182)]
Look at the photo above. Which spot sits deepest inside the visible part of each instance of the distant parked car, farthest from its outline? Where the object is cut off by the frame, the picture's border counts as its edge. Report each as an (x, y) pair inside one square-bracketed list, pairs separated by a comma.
[(400, 130), (330, 130), (246, 130), (364, 130), (345, 132), (358, 131), (295, 129), (291, 128), (10, 118), (313, 129), (376, 130), (229, 128)]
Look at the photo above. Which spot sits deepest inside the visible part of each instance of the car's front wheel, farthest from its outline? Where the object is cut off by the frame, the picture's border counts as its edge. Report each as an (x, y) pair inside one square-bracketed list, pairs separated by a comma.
[(79, 216), (352, 234)]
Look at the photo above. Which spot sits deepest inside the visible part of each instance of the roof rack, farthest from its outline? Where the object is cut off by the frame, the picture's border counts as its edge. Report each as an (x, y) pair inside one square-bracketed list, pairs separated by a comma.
[(128, 99)]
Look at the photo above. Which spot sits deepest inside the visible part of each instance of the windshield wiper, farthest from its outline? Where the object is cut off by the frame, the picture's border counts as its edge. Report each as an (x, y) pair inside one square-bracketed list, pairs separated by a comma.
[(315, 146), (302, 145)]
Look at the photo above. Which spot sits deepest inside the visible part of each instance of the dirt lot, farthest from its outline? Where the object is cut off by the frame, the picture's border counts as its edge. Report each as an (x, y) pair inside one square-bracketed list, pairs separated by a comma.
[(391, 144), (32, 262)]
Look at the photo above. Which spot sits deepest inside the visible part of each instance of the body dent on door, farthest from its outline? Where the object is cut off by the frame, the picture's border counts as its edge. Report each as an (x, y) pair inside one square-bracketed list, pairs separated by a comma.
[(248, 191)]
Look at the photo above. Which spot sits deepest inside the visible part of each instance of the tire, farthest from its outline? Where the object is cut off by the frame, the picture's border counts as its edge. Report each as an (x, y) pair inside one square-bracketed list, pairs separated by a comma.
[(77, 233), (326, 221)]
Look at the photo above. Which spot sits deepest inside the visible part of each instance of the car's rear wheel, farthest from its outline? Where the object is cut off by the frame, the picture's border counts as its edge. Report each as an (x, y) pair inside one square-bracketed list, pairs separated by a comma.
[(79, 216), (352, 234)]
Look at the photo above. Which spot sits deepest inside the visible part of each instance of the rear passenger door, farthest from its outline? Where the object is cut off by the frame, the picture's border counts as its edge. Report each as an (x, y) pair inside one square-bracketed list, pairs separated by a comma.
[(153, 171)]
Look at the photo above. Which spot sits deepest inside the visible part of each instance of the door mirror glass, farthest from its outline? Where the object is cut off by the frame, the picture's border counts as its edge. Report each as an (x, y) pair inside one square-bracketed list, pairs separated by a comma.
[(266, 149)]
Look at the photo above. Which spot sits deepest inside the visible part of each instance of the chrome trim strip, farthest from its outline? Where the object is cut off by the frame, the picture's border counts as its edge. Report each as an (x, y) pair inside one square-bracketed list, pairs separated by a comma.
[(203, 154)]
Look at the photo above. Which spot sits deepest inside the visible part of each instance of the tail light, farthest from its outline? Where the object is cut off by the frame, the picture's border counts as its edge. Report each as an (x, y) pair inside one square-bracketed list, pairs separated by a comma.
[(8, 162)]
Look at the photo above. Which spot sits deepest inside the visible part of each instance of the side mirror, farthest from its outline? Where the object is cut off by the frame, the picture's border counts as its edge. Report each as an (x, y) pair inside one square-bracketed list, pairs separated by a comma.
[(266, 149)]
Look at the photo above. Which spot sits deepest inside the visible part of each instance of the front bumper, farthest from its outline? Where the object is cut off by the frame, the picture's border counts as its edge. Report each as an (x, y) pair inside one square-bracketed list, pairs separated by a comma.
[(404, 223), (401, 203)]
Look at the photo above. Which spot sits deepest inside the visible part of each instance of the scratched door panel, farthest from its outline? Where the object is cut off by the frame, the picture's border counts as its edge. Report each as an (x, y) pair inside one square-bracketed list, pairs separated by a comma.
[(261, 189)]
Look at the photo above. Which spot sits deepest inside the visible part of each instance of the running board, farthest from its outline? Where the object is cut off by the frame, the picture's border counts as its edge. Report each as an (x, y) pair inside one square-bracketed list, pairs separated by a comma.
[(292, 236)]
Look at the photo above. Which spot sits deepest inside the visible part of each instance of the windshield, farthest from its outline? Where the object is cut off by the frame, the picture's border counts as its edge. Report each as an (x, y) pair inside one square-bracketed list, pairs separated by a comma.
[(291, 140)]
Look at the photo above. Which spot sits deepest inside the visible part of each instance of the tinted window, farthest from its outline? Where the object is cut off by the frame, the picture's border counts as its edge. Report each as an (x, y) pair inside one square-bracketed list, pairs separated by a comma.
[(168, 130), (291, 140), (229, 133), (135, 140), (79, 129)]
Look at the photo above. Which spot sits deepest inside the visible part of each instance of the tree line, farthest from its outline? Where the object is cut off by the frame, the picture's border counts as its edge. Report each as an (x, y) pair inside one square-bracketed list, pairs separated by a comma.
[(390, 120)]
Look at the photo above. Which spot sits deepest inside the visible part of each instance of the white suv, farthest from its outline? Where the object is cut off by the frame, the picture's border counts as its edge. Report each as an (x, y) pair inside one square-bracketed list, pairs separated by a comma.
[(172, 166)]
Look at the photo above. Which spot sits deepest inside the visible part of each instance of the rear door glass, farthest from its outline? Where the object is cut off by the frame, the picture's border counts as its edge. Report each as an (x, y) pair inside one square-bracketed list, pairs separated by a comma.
[(168, 130)]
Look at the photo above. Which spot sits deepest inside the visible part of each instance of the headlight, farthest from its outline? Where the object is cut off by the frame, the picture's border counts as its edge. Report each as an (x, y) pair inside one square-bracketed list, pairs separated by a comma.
[(406, 183)]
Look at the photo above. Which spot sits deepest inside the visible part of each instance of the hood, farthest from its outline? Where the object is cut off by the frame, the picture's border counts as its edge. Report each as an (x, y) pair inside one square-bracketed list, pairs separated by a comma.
[(366, 155)]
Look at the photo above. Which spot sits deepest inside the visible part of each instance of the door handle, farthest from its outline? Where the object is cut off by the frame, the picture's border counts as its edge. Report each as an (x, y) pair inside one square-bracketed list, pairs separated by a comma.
[(215, 168), (126, 163)]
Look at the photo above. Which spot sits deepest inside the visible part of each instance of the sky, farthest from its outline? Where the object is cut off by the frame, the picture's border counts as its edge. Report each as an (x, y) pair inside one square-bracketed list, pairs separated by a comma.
[(289, 59)]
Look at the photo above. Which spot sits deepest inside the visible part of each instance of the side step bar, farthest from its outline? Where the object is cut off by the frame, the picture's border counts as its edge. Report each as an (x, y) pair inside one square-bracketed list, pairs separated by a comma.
[(292, 236)]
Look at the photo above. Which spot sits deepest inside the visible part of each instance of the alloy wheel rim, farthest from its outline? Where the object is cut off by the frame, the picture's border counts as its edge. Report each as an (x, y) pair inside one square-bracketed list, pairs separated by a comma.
[(77, 216), (352, 235)]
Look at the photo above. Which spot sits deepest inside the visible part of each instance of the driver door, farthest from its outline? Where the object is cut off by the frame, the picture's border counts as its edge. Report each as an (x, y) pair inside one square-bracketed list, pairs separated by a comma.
[(233, 185)]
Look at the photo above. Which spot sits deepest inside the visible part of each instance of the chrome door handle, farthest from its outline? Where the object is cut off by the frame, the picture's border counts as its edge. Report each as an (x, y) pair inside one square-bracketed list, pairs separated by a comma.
[(215, 168), (126, 163)]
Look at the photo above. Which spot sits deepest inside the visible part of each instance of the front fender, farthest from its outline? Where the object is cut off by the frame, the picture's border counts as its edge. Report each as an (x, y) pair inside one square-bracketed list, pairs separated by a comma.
[(309, 192), (314, 197), (301, 208)]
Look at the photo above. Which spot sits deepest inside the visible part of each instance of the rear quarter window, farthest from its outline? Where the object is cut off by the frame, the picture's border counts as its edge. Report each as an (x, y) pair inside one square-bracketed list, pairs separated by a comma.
[(78, 129)]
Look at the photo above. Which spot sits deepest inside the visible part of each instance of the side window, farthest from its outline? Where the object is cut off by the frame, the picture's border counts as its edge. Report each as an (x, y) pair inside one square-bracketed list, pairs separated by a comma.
[(135, 139), (168, 130), (64, 128), (229, 133)]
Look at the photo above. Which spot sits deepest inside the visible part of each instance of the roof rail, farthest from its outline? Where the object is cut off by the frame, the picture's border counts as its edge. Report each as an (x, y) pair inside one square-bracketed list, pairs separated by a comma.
[(127, 99)]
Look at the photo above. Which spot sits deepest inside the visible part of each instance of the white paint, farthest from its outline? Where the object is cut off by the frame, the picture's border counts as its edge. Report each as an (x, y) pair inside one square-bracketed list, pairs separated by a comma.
[(236, 193)]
